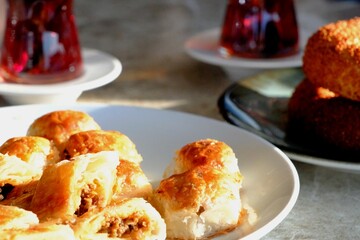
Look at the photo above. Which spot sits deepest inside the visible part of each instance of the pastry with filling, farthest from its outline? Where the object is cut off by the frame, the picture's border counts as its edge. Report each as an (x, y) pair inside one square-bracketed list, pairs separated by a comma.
[(208, 152), (14, 172), (43, 231), (72, 187), (132, 218), (199, 203), (94, 141), (59, 125), (131, 181), (37, 151), (12, 217), (20, 195)]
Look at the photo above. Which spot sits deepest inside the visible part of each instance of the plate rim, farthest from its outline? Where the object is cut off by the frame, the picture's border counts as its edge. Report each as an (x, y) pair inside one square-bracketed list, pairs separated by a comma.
[(82, 83), (213, 57), (352, 167), (262, 230)]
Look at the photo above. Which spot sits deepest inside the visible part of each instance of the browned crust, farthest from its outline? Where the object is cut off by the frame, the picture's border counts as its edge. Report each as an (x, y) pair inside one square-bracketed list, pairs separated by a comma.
[(332, 58)]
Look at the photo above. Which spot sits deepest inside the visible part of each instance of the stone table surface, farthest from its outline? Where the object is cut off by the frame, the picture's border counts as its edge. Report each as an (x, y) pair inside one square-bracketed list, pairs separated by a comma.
[(148, 38)]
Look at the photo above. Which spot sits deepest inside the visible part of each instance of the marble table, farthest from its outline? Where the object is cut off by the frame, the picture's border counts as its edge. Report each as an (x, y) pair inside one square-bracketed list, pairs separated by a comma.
[(148, 37)]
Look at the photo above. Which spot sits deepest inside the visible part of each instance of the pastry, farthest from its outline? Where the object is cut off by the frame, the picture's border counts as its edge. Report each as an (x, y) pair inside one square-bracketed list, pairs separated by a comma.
[(14, 171), (199, 203), (59, 125), (332, 57), (320, 115), (132, 218), (94, 141), (203, 152), (43, 231), (12, 217), (72, 187), (37, 151), (130, 178)]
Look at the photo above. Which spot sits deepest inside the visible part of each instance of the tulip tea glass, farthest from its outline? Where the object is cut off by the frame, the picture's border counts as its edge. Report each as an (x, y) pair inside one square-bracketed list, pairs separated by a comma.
[(40, 42), (259, 29)]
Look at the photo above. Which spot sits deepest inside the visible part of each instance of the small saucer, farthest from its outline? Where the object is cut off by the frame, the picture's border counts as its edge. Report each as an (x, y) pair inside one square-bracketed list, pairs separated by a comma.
[(100, 69), (205, 47)]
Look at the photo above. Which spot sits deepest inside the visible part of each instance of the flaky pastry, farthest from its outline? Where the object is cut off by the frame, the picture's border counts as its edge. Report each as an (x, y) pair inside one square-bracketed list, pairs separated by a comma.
[(208, 152), (59, 125), (37, 151), (132, 218), (199, 203), (70, 188)]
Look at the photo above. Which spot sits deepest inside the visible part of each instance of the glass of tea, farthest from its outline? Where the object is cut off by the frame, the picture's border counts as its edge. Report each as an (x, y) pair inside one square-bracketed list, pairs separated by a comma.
[(40, 42), (259, 29)]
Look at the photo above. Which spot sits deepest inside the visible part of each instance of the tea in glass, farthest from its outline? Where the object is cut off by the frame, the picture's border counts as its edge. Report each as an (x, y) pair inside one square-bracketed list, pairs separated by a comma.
[(259, 29), (40, 43)]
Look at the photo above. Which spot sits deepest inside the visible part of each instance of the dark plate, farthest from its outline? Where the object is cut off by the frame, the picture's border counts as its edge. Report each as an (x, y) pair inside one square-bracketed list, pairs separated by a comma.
[(259, 105)]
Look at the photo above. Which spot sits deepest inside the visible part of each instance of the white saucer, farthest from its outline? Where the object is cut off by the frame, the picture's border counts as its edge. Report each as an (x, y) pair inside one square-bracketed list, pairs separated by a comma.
[(100, 69), (205, 47)]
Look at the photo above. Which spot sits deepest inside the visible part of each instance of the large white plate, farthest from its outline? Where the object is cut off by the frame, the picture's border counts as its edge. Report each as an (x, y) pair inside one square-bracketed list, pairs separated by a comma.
[(205, 47), (100, 69), (271, 184)]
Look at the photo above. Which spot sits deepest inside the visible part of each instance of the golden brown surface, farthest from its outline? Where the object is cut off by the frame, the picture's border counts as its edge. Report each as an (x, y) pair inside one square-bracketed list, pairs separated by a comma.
[(132, 218), (131, 181), (332, 58), (21, 195), (94, 141), (203, 152), (317, 112), (70, 188), (12, 217), (58, 126), (37, 151)]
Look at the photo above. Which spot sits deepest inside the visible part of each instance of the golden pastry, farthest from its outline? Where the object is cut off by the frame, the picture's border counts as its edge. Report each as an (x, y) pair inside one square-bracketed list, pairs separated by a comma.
[(43, 231), (199, 203), (209, 152), (20, 195), (12, 217), (59, 125), (94, 141), (332, 57), (132, 218), (131, 181), (14, 171), (70, 188), (37, 151)]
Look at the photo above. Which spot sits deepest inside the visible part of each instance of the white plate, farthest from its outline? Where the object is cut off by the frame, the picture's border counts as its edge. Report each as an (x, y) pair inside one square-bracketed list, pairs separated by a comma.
[(271, 183), (205, 47), (100, 69)]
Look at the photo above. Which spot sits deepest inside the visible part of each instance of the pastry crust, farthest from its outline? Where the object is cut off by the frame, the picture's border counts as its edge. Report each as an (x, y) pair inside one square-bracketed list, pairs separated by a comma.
[(37, 151), (94, 141), (71, 188), (132, 218), (199, 203), (15, 171), (59, 125), (12, 217), (321, 115), (203, 152), (21, 195), (131, 182), (44, 231), (332, 58)]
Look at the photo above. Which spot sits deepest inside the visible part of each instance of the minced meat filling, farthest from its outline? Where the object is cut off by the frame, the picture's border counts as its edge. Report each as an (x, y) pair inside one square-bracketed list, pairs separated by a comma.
[(116, 227), (89, 197)]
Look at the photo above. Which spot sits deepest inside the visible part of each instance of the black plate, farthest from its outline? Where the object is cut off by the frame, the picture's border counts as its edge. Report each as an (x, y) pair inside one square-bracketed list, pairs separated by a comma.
[(257, 105)]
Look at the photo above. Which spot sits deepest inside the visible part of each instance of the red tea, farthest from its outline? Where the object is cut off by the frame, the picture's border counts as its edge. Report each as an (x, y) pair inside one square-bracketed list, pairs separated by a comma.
[(40, 42), (259, 29)]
